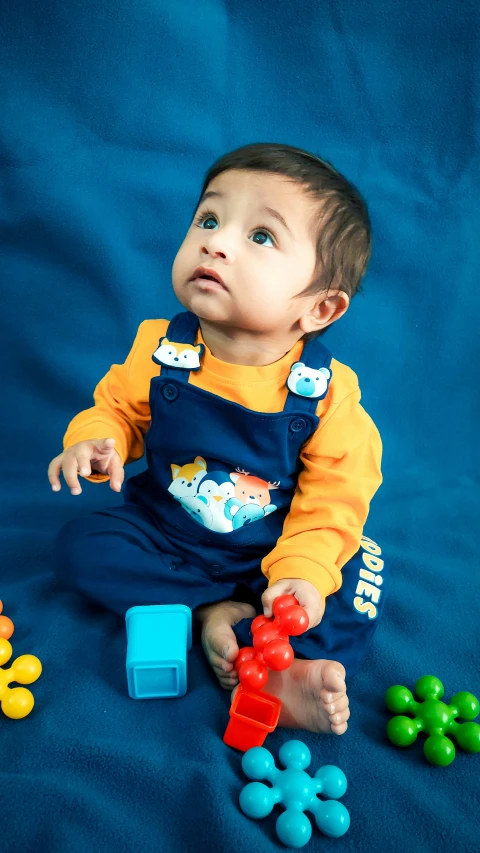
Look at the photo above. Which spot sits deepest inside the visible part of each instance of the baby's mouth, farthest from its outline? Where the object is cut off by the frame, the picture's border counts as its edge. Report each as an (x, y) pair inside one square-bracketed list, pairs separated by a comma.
[(208, 283), (208, 277)]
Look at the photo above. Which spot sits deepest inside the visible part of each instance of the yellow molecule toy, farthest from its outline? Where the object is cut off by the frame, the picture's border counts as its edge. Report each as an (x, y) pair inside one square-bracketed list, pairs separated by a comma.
[(17, 702)]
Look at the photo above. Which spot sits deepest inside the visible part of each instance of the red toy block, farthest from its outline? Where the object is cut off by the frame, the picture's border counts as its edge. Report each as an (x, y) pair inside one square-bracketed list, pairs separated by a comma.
[(252, 717)]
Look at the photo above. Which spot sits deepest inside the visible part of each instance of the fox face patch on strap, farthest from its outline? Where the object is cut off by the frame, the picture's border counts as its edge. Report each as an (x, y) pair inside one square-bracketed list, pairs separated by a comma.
[(183, 356), (307, 382)]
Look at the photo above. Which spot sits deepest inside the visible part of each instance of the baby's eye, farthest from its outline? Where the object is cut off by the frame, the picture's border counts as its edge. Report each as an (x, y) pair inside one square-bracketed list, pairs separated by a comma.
[(267, 236), (207, 217)]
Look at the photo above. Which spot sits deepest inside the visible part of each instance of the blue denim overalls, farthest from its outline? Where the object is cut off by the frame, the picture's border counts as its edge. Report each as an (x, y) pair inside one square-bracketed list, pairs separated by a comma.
[(211, 504), (203, 452)]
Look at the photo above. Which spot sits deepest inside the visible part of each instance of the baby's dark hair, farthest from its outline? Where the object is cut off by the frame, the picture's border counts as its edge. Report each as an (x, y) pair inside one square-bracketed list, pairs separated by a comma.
[(341, 224)]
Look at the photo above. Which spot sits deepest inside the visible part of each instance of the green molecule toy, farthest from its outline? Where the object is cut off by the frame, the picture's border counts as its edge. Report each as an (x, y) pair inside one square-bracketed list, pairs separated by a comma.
[(435, 718)]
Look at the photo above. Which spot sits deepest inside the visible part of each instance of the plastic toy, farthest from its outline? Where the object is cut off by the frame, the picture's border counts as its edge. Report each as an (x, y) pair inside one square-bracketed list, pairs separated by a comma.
[(158, 639), (254, 714), (435, 718), (17, 702), (6, 625), (271, 649), (297, 791), (252, 717)]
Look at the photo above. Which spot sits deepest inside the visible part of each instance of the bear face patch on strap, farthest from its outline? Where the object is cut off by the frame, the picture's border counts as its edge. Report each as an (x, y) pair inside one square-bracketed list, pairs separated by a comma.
[(182, 356), (307, 382)]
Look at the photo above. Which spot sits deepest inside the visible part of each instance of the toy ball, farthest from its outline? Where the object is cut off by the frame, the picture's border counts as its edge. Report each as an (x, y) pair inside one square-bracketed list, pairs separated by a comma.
[(6, 625), (17, 702)]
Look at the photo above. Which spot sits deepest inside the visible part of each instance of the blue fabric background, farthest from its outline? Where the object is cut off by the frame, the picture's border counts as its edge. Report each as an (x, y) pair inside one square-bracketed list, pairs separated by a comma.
[(110, 114)]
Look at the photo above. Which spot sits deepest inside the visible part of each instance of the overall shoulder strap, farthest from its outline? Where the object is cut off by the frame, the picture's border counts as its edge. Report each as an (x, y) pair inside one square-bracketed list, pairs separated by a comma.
[(181, 331), (315, 357), (182, 328), (315, 354)]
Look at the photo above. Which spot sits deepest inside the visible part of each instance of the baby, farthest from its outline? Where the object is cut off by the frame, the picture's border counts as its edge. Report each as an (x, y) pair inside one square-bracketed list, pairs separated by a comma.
[(261, 462)]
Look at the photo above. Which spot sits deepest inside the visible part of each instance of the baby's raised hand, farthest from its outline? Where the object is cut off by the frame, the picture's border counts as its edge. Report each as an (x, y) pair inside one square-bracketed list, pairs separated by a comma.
[(98, 454), (305, 592)]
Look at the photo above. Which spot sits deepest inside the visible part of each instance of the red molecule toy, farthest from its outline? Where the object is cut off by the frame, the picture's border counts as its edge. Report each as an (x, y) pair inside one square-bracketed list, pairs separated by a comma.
[(254, 714)]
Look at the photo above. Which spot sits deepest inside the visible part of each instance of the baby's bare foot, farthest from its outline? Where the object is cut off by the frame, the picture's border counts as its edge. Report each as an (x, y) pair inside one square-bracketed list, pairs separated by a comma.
[(313, 695), (218, 640)]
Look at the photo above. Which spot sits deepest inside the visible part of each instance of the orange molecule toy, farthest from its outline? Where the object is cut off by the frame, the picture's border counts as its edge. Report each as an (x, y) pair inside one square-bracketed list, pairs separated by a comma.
[(17, 702), (254, 714), (6, 625)]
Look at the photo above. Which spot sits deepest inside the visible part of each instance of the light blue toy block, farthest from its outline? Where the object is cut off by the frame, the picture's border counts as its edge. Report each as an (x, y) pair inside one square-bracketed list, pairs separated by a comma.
[(158, 639)]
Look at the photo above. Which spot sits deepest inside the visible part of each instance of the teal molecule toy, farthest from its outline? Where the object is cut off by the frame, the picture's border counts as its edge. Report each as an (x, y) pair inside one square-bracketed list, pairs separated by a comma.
[(435, 718), (297, 791)]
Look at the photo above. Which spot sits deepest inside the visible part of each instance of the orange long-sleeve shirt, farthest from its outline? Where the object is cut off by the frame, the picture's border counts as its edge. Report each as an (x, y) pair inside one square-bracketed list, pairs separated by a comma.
[(341, 460)]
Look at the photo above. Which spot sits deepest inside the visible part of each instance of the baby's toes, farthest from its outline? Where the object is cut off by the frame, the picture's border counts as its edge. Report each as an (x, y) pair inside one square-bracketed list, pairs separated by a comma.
[(333, 681), (338, 721), (339, 729), (328, 698), (220, 647), (219, 664), (340, 704), (228, 682)]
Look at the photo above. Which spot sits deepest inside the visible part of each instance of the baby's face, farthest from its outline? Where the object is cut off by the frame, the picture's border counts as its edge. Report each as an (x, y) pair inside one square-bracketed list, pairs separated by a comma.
[(262, 263)]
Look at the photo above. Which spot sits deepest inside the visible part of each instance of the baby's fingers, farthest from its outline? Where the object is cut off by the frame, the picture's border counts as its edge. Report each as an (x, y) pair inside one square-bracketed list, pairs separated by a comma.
[(83, 464), (115, 472), (280, 587), (70, 472), (314, 608), (54, 473)]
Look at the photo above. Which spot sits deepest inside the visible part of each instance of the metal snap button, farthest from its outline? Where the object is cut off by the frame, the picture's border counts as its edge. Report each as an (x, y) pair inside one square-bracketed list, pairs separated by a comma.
[(216, 569), (298, 424), (170, 392)]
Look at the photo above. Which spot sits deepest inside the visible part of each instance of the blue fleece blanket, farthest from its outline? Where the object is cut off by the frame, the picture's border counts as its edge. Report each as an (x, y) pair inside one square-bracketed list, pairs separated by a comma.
[(110, 113)]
